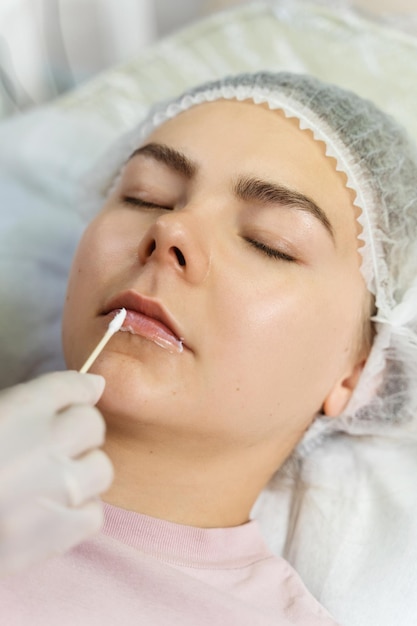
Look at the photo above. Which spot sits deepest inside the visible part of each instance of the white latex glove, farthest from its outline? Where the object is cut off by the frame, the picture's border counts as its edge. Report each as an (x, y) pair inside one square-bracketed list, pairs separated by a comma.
[(50, 469)]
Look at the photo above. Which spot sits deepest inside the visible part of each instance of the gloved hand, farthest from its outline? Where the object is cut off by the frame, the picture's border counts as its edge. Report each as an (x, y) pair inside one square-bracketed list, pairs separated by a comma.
[(50, 470)]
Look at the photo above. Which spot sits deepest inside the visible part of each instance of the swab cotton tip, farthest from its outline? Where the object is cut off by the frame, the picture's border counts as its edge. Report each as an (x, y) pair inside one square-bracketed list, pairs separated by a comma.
[(117, 321), (112, 328)]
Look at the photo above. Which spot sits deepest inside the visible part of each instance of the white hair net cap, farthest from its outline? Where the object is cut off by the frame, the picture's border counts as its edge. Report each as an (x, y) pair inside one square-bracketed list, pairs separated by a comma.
[(380, 164)]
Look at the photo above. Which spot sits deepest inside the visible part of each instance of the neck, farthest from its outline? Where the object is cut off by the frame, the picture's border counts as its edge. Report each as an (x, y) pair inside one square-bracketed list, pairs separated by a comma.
[(185, 481)]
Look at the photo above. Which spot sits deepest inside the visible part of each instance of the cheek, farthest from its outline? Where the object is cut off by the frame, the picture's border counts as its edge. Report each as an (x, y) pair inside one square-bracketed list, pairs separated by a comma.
[(278, 351), (102, 253), (87, 268), (96, 265), (288, 318)]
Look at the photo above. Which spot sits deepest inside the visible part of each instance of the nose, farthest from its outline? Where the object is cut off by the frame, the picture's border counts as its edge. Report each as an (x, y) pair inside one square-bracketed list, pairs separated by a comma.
[(175, 239)]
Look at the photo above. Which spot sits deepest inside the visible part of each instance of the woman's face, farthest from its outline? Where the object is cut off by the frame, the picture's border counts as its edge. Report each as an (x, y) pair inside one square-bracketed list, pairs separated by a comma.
[(210, 221)]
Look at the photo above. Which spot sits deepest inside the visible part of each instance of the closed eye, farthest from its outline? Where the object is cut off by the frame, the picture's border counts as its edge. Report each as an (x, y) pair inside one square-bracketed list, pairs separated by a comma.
[(138, 202), (270, 252)]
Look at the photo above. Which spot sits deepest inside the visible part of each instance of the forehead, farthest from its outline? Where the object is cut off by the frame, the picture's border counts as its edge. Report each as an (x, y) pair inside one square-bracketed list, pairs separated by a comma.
[(228, 139), (252, 132)]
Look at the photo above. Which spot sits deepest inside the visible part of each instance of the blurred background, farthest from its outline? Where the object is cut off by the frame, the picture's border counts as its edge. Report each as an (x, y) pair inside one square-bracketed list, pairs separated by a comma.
[(48, 47)]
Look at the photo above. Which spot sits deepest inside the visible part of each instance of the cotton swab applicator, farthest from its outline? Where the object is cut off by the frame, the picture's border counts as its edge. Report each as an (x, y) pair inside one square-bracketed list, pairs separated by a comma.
[(113, 327)]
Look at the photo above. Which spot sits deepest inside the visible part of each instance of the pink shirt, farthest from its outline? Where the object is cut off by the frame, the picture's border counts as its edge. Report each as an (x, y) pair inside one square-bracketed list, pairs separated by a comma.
[(144, 571)]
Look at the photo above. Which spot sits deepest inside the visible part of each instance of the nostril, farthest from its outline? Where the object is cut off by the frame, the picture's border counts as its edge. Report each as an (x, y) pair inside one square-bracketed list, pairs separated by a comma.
[(151, 247), (179, 255)]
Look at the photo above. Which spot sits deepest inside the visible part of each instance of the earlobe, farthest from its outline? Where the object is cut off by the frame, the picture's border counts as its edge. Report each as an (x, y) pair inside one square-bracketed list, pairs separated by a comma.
[(341, 392)]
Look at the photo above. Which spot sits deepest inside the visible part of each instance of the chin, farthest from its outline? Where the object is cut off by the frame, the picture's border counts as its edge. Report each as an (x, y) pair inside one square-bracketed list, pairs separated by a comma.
[(132, 391)]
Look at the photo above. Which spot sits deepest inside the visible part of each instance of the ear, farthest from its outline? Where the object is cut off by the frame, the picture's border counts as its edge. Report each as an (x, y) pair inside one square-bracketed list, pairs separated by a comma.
[(341, 392)]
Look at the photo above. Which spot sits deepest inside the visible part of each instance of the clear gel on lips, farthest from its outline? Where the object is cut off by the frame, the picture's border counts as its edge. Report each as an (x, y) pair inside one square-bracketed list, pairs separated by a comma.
[(150, 329)]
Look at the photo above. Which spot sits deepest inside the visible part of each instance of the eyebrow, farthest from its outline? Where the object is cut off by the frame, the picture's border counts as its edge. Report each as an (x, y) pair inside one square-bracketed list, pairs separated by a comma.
[(246, 188), (174, 159), (267, 193)]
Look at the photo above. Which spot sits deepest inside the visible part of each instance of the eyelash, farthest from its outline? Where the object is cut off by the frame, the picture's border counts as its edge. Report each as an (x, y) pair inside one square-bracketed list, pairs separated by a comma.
[(266, 250), (270, 252), (137, 202)]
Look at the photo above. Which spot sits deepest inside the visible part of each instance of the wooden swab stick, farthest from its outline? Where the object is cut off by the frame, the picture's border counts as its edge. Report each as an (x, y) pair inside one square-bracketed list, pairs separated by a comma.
[(114, 326)]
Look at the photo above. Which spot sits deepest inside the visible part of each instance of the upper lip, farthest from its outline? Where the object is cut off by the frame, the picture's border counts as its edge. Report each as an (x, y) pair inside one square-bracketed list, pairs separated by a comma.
[(150, 307)]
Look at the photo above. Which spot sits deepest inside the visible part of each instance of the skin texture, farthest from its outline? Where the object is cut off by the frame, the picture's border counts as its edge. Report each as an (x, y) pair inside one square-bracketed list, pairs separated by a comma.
[(194, 437)]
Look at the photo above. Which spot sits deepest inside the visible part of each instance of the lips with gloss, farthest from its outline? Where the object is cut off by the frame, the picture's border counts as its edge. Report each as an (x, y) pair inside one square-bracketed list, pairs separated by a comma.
[(153, 330)]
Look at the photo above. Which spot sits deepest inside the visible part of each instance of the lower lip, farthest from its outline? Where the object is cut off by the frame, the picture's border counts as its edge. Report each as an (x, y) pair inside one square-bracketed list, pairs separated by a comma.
[(149, 328)]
